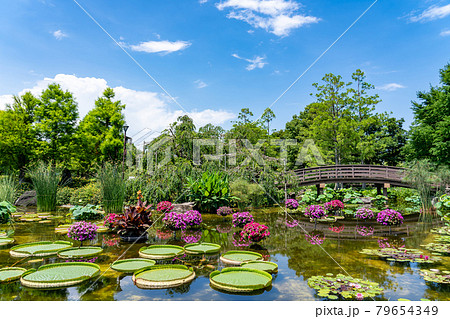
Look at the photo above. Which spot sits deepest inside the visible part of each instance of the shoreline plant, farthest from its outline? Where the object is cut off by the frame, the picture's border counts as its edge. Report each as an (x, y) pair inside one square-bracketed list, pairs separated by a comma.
[(9, 185), (45, 179), (112, 188)]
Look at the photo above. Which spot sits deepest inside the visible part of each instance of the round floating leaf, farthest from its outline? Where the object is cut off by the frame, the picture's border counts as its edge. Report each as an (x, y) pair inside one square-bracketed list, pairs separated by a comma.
[(201, 248), (5, 241), (163, 276), (9, 274), (131, 265), (267, 266), (39, 249), (437, 276), (237, 279), (441, 247), (161, 251), (401, 255), (237, 257), (60, 275), (80, 252)]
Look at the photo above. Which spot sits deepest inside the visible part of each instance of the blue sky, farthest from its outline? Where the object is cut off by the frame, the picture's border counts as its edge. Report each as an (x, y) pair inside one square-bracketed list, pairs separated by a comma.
[(215, 57)]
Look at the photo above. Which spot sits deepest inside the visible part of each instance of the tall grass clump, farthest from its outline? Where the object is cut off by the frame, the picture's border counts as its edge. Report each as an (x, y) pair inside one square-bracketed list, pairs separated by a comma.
[(112, 188), (45, 179), (8, 188)]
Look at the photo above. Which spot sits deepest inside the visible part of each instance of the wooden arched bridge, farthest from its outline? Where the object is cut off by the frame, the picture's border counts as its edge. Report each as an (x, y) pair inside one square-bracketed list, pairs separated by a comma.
[(382, 176)]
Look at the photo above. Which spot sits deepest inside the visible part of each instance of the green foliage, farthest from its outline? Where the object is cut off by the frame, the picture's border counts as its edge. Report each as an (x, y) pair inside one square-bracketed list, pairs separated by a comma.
[(8, 188), (249, 194), (421, 177), (443, 207), (210, 191), (112, 188), (45, 179), (88, 212), (6, 209), (380, 201), (63, 195), (88, 194)]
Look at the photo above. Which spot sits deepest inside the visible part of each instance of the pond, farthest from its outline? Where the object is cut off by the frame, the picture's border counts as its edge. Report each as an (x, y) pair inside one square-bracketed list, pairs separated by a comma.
[(297, 256)]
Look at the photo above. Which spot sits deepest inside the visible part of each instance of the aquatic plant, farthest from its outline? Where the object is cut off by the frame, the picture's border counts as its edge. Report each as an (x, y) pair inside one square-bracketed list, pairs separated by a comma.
[(332, 287), (364, 230), (112, 188), (8, 188), (445, 230), (241, 219), (315, 237), (255, 232), (6, 209), (82, 231), (136, 219), (87, 212), (401, 255), (224, 211), (333, 206), (435, 275), (164, 207), (390, 217), (45, 180), (364, 213), (442, 248), (291, 204), (315, 212)]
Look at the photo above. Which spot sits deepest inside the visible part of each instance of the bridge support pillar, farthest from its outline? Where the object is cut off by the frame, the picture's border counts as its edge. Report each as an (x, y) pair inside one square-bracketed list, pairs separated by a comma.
[(320, 188), (384, 186)]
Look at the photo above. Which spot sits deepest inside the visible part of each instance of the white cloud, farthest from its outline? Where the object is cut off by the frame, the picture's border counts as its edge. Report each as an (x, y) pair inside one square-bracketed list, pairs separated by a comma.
[(445, 33), (200, 84), (143, 109), (279, 17), (391, 87), (163, 47), (202, 1), (432, 13), (59, 35), (256, 62)]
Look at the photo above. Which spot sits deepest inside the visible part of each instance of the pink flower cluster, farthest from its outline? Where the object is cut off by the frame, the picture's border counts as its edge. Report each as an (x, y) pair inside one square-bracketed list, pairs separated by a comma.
[(390, 217), (334, 205), (164, 206), (242, 219), (291, 204), (82, 231), (336, 229), (224, 211), (110, 220), (255, 232), (315, 212), (364, 213), (182, 221)]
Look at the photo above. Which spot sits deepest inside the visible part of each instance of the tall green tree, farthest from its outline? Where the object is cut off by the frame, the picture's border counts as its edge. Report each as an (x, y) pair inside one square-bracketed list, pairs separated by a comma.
[(100, 134), (430, 132), (267, 117)]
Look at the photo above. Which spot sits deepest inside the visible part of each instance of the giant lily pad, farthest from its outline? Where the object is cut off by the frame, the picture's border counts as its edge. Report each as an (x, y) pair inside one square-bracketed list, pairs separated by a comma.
[(237, 279), (161, 251), (163, 276), (436, 276), (237, 257), (5, 241), (60, 275), (201, 248), (332, 287), (401, 255), (131, 265), (267, 266), (80, 252), (39, 249), (442, 248), (9, 274)]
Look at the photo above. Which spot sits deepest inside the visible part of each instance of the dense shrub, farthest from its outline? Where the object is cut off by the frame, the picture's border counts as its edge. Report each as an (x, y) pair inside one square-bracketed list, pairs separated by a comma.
[(88, 194), (249, 194)]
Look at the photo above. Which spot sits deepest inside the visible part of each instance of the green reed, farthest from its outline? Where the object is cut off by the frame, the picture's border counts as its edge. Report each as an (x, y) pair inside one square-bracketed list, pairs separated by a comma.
[(8, 188), (45, 179), (112, 188)]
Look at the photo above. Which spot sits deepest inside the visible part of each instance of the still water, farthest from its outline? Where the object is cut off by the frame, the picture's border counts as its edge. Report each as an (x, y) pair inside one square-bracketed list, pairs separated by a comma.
[(297, 258)]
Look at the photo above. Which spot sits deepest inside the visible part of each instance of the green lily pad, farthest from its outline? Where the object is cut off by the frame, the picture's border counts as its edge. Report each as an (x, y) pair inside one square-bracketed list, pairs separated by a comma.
[(80, 252), (39, 249), (201, 248), (5, 241), (238, 279), (163, 276), (161, 251), (261, 265), (9, 274), (131, 265), (237, 257)]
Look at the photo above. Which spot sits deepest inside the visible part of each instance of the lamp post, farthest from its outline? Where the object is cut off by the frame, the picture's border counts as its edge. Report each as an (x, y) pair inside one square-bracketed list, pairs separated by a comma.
[(125, 128)]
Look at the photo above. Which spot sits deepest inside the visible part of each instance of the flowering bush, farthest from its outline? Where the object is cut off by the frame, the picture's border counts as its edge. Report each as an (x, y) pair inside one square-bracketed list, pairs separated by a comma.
[(291, 204), (224, 211), (242, 219), (364, 230), (364, 213), (189, 219), (239, 241), (82, 231), (390, 217), (255, 232), (110, 220), (315, 212), (164, 207), (333, 206), (315, 238)]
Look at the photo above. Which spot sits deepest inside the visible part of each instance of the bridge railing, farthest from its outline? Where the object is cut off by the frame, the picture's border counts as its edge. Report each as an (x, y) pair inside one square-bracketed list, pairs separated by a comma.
[(350, 172)]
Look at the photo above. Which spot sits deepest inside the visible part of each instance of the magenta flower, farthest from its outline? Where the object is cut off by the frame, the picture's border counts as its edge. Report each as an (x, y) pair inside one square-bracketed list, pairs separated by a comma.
[(164, 206), (315, 212), (242, 219), (255, 232), (224, 211), (82, 231), (291, 204), (364, 213), (390, 217)]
